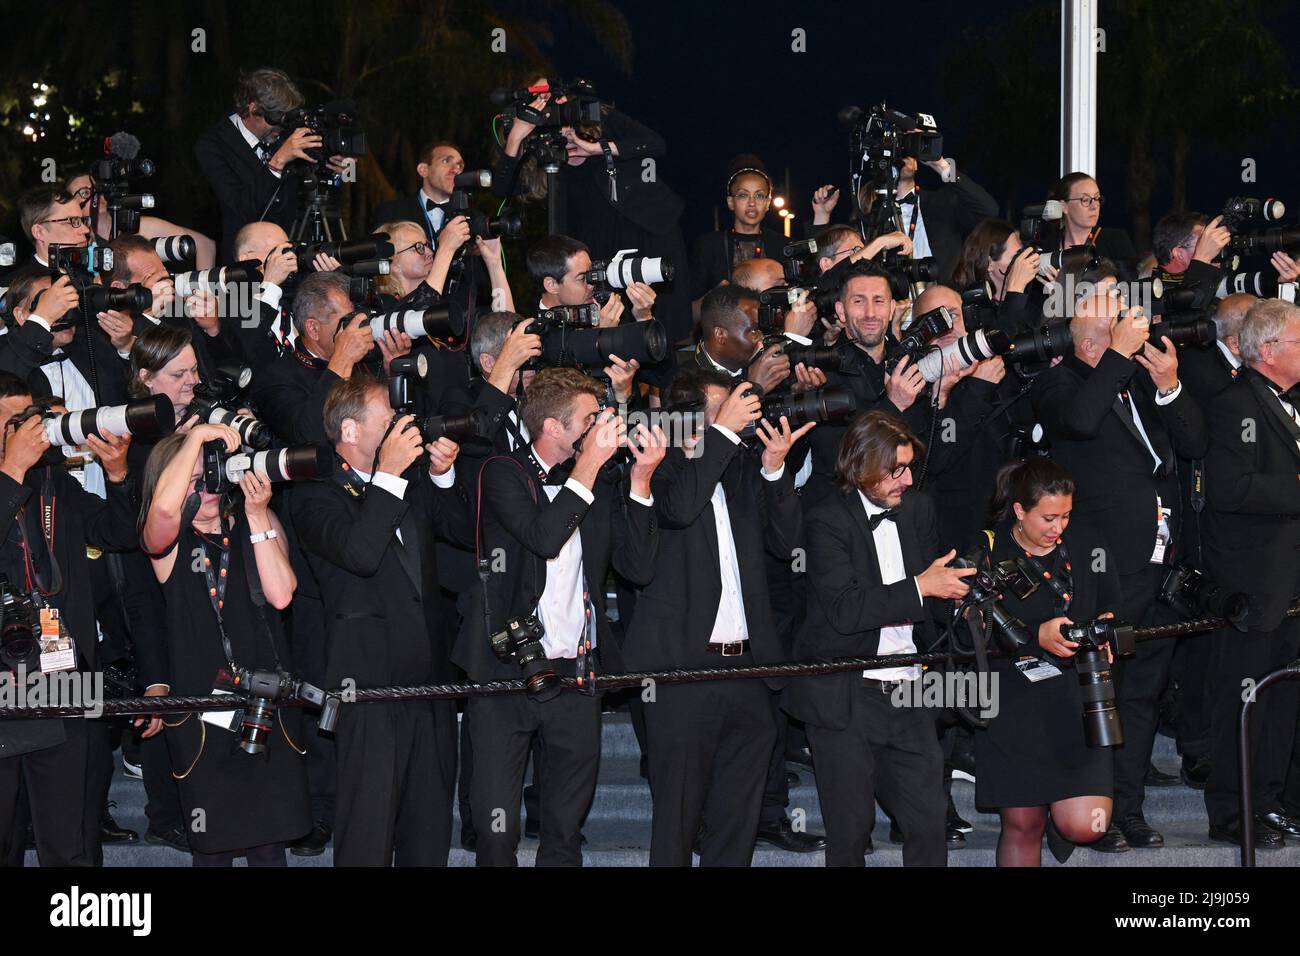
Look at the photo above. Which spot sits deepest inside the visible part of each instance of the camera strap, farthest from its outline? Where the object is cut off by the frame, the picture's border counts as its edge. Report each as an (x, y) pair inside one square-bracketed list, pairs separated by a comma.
[(913, 200), (1062, 584), (610, 171), (48, 503), (216, 582)]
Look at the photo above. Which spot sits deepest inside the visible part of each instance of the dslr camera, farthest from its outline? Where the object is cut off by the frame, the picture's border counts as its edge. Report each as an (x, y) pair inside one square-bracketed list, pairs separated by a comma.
[(624, 269), (831, 404), (215, 402), (20, 630), (471, 427), (1193, 595), (1101, 725), (988, 585), (920, 337), (265, 691), (222, 470), (521, 641), (1247, 218), (572, 338)]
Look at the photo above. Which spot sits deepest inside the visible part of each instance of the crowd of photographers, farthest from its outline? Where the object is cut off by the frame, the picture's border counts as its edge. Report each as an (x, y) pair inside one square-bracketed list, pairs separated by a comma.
[(295, 465)]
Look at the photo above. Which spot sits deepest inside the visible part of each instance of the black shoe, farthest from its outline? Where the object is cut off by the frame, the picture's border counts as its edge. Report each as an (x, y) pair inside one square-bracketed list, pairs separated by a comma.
[(784, 837), (174, 838), (111, 833), (1062, 849), (1138, 833), (1279, 821), (955, 821), (468, 839), (1195, 772), (955, 839), (791, 778), (1158, 778), (962, 766), (895, 834), (313, 844), (1112, 842), (1265, 837), (802, 756)]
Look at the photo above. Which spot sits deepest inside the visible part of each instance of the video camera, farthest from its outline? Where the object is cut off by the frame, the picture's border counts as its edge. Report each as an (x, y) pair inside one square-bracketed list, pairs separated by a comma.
[(215, 402), (265, 691), (335, 123), (112, 177)]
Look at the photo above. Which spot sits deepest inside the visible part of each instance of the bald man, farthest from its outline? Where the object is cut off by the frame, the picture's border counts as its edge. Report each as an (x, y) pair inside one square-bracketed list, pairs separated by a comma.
[(1208, 371), (1117, 417)]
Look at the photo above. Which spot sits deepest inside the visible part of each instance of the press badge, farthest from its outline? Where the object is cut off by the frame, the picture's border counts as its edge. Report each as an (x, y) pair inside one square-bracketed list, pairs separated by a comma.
[(225, 719), (1036, 669), (57, 652), (1163, 534)]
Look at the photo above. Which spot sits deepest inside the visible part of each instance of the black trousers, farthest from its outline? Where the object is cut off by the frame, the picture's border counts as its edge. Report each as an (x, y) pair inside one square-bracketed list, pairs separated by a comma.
[(396, 783), (710, 747), (1139, 681), (307, 631), (100, 737), (1191, 669), (502, 730), (162, 796), (55, 781), (1236, 659), (889, 751)]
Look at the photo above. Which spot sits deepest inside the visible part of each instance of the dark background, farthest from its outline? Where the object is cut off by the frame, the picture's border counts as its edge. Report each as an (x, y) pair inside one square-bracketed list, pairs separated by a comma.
[(1187, 90)]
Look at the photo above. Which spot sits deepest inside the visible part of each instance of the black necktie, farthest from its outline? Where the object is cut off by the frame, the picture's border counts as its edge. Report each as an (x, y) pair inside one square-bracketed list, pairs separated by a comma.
[(889, 514)]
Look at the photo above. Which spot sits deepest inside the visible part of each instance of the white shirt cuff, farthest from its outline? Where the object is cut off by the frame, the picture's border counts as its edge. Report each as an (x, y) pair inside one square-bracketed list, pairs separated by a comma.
[(446, 480), (1166, 399), (919, 596), (125, 355), (274, 172), (648, 502), (392, 484), (800, 339), (43, 323), (579, 489), (775, 475), (951, 175), (270, 293), (735, 439)]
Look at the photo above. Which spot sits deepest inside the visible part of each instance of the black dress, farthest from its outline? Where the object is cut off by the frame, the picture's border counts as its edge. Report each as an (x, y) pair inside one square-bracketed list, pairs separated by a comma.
[(246, 800), (1034, 752)]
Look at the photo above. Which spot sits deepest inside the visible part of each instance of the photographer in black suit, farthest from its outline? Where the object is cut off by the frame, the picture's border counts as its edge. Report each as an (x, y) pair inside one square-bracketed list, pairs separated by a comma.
[(876, 572), (548, 538), (369, 538), (440, 164), (1252, 539), (245, 156), (710, 743), (1117, 419)]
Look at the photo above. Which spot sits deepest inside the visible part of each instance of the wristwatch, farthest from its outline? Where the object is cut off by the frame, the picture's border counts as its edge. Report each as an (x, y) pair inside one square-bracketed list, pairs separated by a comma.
[(262, 536)]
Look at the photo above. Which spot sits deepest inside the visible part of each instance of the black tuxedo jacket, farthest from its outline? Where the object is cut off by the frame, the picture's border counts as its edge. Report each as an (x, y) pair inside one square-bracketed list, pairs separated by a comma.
[(383, 606), (1205, 372), (950, 211), (93, 355), (290, 398), (1252, 528), (522, 529), (1095, 438), (403, 209), (676, 611), (247, 191), (849, 604)]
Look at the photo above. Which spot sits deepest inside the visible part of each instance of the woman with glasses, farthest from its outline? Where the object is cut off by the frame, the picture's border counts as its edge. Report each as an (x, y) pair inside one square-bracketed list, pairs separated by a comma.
[(419, 271), (1035, 764), (81, 188), (1081, 199)]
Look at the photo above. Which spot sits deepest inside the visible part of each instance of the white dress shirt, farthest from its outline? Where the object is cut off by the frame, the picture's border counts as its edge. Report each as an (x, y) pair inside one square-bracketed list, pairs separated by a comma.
[(254, 143), (1137, 419), (920, 241), (561, 608), (433, 216), (1233, 362), (730, 624), (895, 638)]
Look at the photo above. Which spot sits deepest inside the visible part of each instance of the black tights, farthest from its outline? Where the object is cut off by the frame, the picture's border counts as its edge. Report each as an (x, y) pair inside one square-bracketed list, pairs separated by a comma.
[(268, 854), (1080, 820)]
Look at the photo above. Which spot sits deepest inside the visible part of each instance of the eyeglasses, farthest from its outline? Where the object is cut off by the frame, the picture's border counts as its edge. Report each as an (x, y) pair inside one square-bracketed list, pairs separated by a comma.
[(420, 248), (898, 472), (1087, 202), (83, 193), (846, 252), (1283, 341), (73, 221), (745, 197)]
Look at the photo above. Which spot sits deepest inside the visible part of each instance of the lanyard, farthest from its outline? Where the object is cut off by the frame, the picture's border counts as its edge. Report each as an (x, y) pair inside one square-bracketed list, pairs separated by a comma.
[(1061, 586), (216, 582), (916, 212), (33, 581)]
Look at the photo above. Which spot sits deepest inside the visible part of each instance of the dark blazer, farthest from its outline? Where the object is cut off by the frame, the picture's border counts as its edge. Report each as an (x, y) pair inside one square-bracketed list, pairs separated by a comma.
[(383, 607), (290, 397), (849, 605), (522, 529), (1094, 437), (950, 211), (403, 209), (675, 612), (93, 355), (711, 257), (1252, 528), (246, 189), (1205, 372)]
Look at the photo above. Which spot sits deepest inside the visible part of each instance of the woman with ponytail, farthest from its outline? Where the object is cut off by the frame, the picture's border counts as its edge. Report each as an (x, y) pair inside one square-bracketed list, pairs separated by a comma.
[(1035, 765)]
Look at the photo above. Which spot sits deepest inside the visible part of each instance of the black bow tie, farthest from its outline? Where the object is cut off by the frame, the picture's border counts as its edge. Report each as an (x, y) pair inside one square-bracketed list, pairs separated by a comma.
[(430, 205), (560, 473), (908, 200), (889, 514)]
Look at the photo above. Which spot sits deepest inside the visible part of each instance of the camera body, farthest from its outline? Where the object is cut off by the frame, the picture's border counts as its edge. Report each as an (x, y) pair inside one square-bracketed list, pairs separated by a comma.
[(20, 630), (335, 123), (831, 404), (215, 402), (581, 107), (481, 226), (521, 641), (880, 138), (266, 690), (222, 470), (910, 270), (1101, 726), (920, 336), (987, 586), (1192, 594), (1247, 218)]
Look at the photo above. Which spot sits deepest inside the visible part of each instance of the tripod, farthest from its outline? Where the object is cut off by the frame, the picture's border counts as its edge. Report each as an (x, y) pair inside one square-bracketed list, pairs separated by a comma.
[(320, 219)]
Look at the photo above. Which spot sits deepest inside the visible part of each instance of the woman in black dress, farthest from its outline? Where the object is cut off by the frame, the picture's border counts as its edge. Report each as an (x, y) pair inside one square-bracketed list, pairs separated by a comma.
[(1080, 225), (236, 804), (1033, 759)]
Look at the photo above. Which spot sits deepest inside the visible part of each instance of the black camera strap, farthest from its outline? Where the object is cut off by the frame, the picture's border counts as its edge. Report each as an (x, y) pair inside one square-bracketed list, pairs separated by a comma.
[(610, 171), (48, 504), (216, 582), (1062, 584)]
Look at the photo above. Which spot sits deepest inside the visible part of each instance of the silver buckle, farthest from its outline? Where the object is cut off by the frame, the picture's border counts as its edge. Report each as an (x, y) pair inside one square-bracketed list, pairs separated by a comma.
[(738, 645)]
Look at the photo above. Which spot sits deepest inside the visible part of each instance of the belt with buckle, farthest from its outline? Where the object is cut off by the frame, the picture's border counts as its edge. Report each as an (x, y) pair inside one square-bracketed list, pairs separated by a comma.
[(884, 686), (730, 649)]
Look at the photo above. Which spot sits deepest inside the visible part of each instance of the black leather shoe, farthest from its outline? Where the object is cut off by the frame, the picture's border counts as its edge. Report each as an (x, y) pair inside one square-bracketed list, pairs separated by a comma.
[(791, 778), (784, 837), (1138, 833), (1265, 838), (313, 844), (111, 833), (1279, 821), (1112, 842), (468, 839), (955, 821), (955, 839), (1195, 772), (174, 838), (1158, 778), (962, 766), (1061, 848)]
